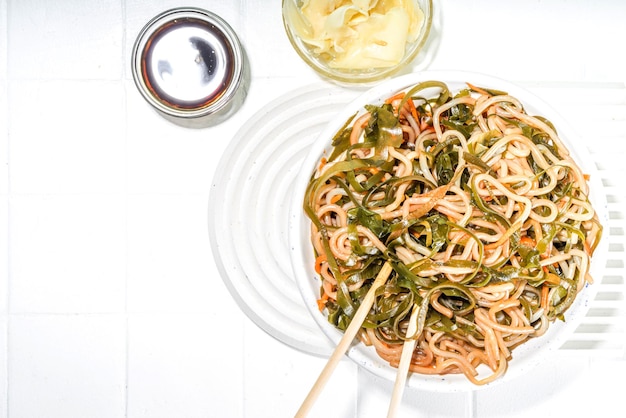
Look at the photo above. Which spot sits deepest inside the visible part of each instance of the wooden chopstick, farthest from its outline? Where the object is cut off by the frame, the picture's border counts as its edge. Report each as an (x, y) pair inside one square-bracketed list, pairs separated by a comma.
[(345, 341), (403, 366)]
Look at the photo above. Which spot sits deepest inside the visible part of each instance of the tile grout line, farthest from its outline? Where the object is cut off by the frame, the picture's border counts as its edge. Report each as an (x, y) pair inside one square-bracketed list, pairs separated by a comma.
[(125, 122), (470, 403)]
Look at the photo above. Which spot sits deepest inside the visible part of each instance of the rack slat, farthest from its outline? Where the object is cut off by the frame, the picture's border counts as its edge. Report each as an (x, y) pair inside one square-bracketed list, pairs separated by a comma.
[(603, 330)]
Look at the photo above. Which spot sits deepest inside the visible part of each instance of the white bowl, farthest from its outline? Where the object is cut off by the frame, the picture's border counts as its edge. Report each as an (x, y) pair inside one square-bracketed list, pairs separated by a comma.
[(526, 356)]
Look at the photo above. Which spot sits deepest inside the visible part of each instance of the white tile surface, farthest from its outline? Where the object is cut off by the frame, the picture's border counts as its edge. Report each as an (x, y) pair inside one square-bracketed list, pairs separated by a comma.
[(375, 402), (70, 366), (4, 219), (271, 54), (3, 366), (3, 39), (66, 136), (553, 386), (67, 40), (68, 254), (558, 40), (169, 275), (184, 365), (110, 301), (269, 371), (4, 171), (4, 141), (4, 255), (163, 158)]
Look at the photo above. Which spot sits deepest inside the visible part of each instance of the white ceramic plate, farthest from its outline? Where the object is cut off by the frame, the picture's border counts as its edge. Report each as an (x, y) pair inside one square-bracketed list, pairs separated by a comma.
[(249, 209), (526, 356)]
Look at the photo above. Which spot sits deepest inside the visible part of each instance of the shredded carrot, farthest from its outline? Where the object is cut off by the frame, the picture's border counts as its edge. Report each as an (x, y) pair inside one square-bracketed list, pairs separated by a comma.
[(478, 89), (336, 198), (586, 177), (395, 97), (528, 241), (553, 279), (408, 103), (412, 109), (425, 127), (322, 163), (318, 262), (321, 303)]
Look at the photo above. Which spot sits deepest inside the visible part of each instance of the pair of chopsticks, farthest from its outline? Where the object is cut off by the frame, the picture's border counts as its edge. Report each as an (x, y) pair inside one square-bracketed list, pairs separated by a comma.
[(346, 340)]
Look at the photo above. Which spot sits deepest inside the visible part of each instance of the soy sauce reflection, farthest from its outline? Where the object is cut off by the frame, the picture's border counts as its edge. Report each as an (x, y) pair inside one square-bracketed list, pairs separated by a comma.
[(188, 65)]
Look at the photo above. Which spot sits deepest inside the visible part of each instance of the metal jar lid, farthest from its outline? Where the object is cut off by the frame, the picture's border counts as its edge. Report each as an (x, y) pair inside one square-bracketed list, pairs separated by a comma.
[(188, 64)]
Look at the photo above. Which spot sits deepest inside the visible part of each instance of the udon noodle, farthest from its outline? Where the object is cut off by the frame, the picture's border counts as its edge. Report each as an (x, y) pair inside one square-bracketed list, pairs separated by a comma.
[(478, 207)]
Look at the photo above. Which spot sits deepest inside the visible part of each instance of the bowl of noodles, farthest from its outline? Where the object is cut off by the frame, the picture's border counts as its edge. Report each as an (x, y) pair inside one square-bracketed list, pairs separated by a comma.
[(474, 192)]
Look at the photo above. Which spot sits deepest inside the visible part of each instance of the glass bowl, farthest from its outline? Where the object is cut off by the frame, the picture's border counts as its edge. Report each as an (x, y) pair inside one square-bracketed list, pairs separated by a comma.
[(352, 42)]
